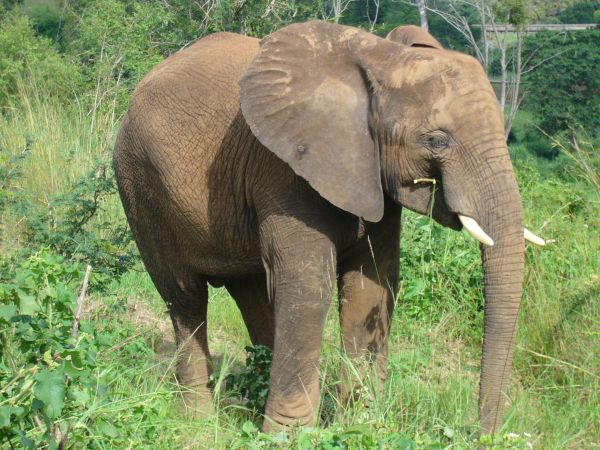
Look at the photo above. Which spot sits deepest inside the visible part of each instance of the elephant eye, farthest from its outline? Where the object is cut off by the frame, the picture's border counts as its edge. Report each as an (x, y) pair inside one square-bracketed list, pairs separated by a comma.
[(435, 141)]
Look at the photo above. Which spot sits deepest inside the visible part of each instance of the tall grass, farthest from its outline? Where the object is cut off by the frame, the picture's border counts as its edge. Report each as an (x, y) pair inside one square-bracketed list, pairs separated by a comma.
[(59, 144)]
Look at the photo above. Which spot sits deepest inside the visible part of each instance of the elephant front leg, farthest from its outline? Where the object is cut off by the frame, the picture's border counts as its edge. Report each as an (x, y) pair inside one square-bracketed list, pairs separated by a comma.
[(300, 279), (367, 286)]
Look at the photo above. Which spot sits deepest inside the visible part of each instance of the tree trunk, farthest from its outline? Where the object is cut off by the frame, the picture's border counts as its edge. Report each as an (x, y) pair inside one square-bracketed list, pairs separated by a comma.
[(515, 96), (486, 49), (503, 77), (423, 14)]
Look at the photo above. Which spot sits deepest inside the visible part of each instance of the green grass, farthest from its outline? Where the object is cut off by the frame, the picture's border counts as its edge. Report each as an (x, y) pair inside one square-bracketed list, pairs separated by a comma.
[(430, 397)]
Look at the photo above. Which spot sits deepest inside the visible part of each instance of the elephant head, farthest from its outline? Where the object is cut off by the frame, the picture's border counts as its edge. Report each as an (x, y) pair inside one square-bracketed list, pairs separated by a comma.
[(358, 117)]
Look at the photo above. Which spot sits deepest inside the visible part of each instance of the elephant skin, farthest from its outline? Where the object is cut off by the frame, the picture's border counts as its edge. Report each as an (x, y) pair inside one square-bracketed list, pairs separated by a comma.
[(278, 168)]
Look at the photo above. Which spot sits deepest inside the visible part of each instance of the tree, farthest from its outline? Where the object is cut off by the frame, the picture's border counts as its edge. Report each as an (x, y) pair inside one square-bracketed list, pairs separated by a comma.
[(579, 12), (423, 14), (564, 92), (335, 9)]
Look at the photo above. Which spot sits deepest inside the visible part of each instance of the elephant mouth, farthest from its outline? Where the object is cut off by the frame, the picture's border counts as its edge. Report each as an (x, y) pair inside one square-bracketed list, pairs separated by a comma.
[(477, 232), (437, 206)]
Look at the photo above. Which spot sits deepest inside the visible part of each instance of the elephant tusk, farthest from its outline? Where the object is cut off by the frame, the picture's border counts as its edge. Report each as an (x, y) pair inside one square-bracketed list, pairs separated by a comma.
[(475, 230), (533, 238)]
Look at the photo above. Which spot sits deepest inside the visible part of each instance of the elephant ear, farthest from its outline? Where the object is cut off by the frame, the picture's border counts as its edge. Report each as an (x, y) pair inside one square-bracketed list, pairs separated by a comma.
[(413, 36), (306, 98)]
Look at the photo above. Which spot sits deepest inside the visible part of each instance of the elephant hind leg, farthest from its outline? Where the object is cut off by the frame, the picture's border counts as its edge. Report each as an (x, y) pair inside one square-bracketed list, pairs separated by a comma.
[(251, 296), (187, 301), (367, 284)]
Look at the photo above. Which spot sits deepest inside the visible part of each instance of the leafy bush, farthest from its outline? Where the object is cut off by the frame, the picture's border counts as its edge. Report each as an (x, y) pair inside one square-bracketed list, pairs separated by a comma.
[(579, 12), (28, 59), (252, 383), (46, 374), (63, 391), (70, 224), (564, 91)]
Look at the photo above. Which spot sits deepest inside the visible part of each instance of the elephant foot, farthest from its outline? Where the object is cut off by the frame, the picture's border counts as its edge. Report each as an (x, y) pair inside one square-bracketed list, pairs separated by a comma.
[(361, 381), (198, 402), (297, 414), (273, 426)]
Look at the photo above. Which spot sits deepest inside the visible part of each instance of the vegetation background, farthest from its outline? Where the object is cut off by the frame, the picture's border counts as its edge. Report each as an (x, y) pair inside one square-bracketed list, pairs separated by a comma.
[(67, 71)]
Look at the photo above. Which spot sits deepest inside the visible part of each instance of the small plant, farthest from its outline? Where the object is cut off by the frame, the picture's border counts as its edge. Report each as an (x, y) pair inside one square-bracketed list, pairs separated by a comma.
[(45, 372), (252, 383)]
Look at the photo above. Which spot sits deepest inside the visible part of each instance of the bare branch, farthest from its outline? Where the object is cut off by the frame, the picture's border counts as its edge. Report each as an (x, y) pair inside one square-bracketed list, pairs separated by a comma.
[(543, 61), (268, 10), (80, 299), (337, 8), (373, 20)]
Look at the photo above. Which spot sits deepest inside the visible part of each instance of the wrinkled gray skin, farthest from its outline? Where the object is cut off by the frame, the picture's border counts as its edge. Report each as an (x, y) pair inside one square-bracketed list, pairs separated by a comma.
[(302, 187)]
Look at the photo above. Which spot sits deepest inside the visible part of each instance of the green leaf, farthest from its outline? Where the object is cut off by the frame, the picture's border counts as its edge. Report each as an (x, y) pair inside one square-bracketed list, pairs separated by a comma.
[(79, 395), (50, 389), (249, 428), (107, 428), (7, 312), (28, 304), (5, 416)]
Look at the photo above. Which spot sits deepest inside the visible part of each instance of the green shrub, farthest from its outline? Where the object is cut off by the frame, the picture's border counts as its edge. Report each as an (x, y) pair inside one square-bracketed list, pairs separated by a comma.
[(28, 62), (70, 224), (252, 383), (564, 91), (45, 373)]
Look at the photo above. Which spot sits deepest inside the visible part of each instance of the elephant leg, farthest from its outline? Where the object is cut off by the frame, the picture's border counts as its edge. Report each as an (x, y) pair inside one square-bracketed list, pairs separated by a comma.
[(251, 297), (367, 285), (300, 271), (187, 301)]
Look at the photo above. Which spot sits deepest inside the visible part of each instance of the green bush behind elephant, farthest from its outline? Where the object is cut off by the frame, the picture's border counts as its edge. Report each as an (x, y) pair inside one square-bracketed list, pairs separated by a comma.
[(278, 168)]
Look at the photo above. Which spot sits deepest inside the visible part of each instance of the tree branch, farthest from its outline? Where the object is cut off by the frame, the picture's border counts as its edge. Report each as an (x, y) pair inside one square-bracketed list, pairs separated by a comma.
[(80, 299)]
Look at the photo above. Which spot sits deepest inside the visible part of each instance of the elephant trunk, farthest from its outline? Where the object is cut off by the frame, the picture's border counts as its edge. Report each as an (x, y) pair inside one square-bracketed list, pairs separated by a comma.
[(491, 197), (501, 216), (503, 277)]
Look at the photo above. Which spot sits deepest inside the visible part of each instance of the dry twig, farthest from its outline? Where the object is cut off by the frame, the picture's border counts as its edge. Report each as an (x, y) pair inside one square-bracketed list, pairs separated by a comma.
[(80, 299)]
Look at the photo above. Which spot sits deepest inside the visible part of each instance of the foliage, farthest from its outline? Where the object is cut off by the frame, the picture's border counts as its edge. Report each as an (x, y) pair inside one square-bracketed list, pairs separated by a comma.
[(46, 17), (514, 12), (24, 55), (438, 276), (252, 383), (525, 132), (393, 14), (46, 374), (580, 12), (59, 390), (564, 92), (68, 223)]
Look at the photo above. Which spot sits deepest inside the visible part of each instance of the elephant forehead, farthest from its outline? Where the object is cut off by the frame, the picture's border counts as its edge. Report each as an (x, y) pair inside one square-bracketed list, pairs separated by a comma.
[(421, 97)]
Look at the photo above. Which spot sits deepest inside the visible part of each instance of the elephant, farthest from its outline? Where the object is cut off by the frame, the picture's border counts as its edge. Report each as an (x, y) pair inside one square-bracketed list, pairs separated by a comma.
[(279, 168)]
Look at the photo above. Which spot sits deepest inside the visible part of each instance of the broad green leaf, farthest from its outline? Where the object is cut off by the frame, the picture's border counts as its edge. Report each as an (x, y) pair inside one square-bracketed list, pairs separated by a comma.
[(5, 416), (107, 428), (50, 389), (28, 304), (7, 312)]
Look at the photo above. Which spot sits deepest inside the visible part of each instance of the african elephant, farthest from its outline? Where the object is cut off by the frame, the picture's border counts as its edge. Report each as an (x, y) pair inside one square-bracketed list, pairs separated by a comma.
[(279, 167)]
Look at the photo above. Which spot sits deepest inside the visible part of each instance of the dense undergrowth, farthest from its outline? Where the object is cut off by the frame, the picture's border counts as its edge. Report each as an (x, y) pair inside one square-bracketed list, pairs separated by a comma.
[(112, 384)]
